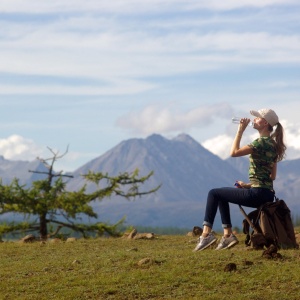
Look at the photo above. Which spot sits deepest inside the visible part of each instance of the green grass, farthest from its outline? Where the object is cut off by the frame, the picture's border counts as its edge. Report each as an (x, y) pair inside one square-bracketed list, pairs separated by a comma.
[(108, 269)]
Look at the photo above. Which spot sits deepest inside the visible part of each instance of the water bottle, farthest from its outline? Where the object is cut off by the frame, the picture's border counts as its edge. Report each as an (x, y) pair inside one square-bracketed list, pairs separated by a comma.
[(236, 120)]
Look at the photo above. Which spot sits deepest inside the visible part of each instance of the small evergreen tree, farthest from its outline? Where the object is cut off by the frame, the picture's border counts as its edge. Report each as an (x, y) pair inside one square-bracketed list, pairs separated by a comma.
[(50, 202)]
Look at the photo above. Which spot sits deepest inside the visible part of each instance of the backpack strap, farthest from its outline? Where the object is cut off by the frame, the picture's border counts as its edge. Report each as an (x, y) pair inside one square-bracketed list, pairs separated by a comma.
[(275, 197)]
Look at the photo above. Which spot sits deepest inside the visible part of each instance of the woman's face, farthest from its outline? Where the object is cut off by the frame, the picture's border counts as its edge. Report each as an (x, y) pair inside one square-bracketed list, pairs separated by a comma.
[(260, 123)]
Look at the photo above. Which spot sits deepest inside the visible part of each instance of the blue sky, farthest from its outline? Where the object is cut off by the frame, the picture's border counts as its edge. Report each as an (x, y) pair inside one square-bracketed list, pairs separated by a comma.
[(90, 74)]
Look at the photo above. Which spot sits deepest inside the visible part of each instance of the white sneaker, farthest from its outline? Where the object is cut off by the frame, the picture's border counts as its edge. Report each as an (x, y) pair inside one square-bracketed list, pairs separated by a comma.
[(205, 242), (227, 243)]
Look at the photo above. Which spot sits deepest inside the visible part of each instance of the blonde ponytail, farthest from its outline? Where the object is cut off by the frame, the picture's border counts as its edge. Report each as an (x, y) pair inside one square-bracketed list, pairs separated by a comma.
[(277, 136)]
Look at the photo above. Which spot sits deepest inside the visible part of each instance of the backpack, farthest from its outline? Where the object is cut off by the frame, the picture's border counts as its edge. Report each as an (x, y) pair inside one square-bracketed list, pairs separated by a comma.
[(272, 225)]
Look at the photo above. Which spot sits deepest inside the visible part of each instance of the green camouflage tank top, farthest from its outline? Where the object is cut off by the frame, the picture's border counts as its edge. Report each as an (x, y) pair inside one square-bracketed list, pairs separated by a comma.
[(261, 162)]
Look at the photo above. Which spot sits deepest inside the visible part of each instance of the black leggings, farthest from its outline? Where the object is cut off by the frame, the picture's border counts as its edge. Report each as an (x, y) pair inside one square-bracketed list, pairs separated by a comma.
[(221, 197)]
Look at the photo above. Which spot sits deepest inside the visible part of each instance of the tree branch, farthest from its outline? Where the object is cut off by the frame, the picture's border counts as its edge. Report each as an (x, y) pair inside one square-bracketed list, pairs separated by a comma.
[(53, 175)]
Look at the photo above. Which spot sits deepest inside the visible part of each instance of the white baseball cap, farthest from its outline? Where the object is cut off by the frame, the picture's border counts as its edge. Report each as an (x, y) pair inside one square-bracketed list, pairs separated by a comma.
[(268, 114)]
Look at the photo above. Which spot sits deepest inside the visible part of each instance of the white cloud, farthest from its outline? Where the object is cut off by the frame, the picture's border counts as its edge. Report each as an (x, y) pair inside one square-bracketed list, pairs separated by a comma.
[(219, 145), (121, 87), (283, 84), (117, 51), (292, 139), (16, 147), (130, 6), (158, 119), (80, 35), (235, 4)]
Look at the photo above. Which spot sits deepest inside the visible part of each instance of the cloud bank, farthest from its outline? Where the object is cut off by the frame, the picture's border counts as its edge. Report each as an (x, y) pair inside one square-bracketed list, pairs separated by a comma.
[(113, 47), (139, 67), (161, 119)]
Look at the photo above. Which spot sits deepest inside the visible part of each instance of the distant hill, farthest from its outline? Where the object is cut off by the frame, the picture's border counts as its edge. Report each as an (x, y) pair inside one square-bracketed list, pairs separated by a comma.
[(10, 169), (186, 170)]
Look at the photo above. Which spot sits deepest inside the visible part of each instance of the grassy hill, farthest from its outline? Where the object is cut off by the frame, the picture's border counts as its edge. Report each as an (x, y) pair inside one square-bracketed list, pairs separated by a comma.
[(110, 268)]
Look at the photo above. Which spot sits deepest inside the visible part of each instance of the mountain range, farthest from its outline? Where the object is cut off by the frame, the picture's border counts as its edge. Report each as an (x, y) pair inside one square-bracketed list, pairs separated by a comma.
[(185, 170)]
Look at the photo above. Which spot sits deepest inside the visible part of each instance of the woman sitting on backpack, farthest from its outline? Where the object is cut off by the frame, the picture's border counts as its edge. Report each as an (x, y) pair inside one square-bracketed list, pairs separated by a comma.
[(264, 153)]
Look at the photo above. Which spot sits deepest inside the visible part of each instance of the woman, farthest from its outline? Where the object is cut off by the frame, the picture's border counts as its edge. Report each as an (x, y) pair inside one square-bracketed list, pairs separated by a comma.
[(264, 153)]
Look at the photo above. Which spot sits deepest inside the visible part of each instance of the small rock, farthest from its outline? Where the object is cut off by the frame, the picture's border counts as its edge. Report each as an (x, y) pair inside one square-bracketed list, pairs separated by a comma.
[(147, 236), (197, 231), (272, 249), (145, 261), (28, 239), (75, 262), (132, 249), (71, 239), (277, 255), (271, 252), (267, 256), (132, 234), (230, 267), (55, 240), (248, 263)]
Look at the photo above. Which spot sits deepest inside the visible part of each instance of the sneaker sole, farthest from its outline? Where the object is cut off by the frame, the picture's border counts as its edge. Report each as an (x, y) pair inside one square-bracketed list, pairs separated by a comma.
[(232, 244), (211, 243)]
